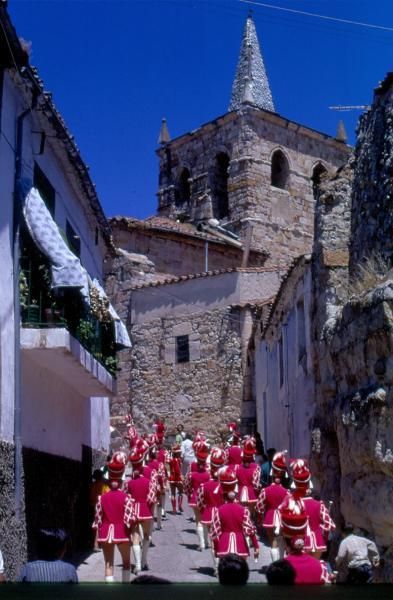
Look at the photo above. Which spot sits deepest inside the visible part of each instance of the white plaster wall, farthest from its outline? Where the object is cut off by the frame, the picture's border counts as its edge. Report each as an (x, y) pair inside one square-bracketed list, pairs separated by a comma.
[(54, 418), (9, 111), (284, 413), (202, 294), (57, 420), (68, 205), (98, 417)]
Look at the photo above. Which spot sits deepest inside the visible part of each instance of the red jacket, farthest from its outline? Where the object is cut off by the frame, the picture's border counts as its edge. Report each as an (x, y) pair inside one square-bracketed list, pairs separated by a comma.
[(209, 496), (268, 502), (113, 517), (230, 526), (248, 478), (143, 492), (308, 569)]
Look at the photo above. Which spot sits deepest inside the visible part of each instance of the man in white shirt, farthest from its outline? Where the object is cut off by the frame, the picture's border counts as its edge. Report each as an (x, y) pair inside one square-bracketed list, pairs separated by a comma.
[(357, 555), (2, 574), (187, 454)]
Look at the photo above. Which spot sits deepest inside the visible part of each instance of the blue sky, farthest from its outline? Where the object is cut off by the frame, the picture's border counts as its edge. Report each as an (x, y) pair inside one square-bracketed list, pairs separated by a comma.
[(116, 67)]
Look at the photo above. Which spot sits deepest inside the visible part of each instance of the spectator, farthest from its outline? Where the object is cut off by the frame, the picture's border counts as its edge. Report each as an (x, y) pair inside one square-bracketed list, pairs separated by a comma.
[(180, 434), (356, 558), (233, 570), (2, 574), (280, 572), (187, 454), (260, 449), (267, 467), (145, 579), (49, 568)]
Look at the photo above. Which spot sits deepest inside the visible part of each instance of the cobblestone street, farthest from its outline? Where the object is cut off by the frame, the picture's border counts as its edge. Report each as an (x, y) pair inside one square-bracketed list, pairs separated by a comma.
[(174, 556)]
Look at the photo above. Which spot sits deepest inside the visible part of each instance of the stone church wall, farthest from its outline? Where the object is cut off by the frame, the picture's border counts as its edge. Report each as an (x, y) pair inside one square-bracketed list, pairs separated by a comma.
[(282, 219)]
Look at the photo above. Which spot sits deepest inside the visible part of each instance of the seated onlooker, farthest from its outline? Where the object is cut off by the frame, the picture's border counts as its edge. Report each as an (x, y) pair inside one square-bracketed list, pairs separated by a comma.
[(280, 572), (2, 574), (233, 570), (356, 558), (49, 566)]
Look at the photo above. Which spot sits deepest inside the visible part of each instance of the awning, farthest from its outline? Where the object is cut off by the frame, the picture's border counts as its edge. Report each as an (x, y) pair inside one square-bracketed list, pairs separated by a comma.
[(66, 268), (121, 334)]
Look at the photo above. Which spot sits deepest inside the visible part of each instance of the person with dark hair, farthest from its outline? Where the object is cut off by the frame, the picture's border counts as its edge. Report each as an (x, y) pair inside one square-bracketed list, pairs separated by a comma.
[(233, 570), (358, 556), (49, 566), (146, 579), (267, 467), (280, 572)]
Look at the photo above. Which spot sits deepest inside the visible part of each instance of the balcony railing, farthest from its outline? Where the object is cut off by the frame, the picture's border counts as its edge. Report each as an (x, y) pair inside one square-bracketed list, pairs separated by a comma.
[(42, 307)]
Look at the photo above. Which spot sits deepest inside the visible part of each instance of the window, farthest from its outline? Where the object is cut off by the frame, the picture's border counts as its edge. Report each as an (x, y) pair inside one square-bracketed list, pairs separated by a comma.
[(73, 239), (280, 170), (182, 349), (219, 185), (301, 331), (183, 191), (45, 188), (317, 174), (281, 360)]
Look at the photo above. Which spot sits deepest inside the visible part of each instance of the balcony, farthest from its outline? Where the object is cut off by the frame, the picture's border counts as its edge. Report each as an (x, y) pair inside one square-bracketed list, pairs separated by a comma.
[(54, 349), (62, 332)]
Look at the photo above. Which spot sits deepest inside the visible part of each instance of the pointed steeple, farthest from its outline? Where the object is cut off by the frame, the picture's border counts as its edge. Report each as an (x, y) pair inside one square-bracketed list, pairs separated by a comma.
[(341, 135), (164, 136), (251, 84)]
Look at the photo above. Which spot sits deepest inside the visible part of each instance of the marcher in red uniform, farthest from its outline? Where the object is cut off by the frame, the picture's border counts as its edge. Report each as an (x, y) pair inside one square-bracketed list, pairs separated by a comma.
[(192, 483), (143, 492), (234, 452), (162, 457), (270, 499), (210, 493), (176, 479), (248, 475), (231, 522), (113, 519), (293, 527), (199, 437), (158, 466), (320, 523)]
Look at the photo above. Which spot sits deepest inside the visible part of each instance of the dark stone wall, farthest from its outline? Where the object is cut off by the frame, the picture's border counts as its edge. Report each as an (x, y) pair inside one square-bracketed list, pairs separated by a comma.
[(57, 495), (12, 530)]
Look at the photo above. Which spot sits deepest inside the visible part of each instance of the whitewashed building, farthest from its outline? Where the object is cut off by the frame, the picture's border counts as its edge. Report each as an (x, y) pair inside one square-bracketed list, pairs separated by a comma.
[(284, 382), (58, 335)]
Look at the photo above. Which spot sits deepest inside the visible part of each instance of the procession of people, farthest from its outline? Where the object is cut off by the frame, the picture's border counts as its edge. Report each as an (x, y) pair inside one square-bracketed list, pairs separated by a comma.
[(235, 504)]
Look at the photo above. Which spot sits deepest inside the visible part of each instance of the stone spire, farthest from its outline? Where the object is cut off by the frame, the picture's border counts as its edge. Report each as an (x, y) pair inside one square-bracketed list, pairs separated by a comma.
[(164, 136), (341, 134), (251, 84)]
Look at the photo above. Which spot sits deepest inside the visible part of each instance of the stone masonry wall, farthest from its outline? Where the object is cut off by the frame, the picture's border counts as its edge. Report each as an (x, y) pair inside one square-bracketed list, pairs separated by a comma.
[(204, 393), (181, 256), (13, 539), (282, 219), (372, 214)]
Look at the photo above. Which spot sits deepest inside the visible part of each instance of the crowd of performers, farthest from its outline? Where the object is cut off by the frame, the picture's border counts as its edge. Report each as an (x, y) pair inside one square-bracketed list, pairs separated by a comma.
[(223, 487)]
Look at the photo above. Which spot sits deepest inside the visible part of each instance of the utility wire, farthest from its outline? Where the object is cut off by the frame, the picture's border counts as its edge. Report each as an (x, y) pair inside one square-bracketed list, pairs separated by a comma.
[(317, 16)]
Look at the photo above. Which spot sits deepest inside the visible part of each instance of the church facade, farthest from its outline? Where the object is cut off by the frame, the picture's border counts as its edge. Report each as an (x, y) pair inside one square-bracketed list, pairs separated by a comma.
[(243, 185)]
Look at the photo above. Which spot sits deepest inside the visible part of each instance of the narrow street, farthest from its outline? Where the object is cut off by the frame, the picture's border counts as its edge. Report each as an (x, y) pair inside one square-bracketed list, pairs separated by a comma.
[(173, 556)]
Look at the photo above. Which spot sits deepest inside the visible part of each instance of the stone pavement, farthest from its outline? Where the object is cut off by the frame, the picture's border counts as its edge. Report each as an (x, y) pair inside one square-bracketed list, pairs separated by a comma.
[(173, 556)]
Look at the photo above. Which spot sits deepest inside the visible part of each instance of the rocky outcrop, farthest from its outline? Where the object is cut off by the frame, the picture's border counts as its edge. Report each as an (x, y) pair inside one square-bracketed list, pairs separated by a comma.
[(352, 451)]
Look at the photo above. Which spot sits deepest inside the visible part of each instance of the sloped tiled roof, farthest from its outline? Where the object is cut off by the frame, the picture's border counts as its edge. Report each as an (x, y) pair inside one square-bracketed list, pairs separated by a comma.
[(164, 280), (167, 225)]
